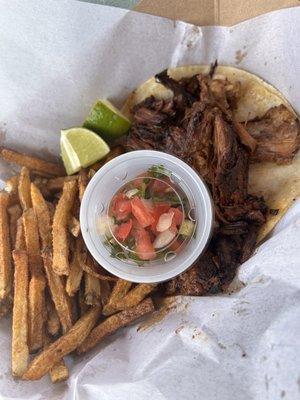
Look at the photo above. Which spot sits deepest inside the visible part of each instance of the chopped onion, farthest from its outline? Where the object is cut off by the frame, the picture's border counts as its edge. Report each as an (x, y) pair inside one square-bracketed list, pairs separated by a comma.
[(163, 239), (131, 193), (165, 221)]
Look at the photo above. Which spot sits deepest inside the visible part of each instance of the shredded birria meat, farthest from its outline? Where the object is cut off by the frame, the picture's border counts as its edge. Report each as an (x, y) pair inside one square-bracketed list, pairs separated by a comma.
[(198, 126)]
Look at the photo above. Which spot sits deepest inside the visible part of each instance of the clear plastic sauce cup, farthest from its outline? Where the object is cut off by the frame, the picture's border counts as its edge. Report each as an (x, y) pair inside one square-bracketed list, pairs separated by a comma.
[(188, 193)]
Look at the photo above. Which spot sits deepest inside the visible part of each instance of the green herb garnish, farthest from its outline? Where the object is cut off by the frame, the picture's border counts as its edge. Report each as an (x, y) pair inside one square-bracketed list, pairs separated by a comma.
[(158, 171)]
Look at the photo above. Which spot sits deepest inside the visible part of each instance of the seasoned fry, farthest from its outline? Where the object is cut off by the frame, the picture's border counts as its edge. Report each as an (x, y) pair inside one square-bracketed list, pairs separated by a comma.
[(120, 290), (11, 187), (82, 182), (6, 271), (24, 189), (74, 277), (91, 173), (41, 184), (59, 229), (36, 301), (74, 226), (20, 352), (31, 233), (58, 294), (53, 323), (105, 292), (14, 213), (20, 237), (135, 296), (56, 184), (115, 322), (92, 288), (42, 213), (32, 163), (59, 372), (36, 317), (88, 264), (62, 346)]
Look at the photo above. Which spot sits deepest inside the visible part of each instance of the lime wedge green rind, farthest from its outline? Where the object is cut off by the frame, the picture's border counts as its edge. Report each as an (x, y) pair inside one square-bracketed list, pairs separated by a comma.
[(106, 120), (81, 148)]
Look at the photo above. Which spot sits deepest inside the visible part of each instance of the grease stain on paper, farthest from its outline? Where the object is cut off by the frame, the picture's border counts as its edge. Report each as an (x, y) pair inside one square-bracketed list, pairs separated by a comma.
[(166, 305), (239, 56)]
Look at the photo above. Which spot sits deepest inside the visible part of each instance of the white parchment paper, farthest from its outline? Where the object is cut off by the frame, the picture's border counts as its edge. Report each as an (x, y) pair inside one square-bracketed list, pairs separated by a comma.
[(56, 58)]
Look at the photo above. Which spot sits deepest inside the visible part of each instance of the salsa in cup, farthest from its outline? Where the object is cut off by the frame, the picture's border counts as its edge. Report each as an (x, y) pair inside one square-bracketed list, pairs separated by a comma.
[(148, 218)]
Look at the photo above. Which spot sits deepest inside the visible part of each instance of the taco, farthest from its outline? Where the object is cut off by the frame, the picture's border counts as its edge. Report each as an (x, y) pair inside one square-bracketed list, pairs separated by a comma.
[(241, 135)]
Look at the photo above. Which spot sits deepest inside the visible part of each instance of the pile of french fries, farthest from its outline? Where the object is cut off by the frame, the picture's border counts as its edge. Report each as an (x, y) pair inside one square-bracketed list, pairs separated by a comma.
[(61, 300)]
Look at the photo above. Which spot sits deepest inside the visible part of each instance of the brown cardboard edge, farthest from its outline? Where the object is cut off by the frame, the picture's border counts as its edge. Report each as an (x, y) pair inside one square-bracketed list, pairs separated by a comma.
[(212, 12)]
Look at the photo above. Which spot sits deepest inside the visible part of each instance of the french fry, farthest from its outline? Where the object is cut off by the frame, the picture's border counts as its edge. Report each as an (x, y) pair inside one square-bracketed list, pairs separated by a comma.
[(32, 163), (41, 184), (58, 294), (20, 351), (53, 323), (59, 372), (67, 343), (120, 289), (115, 322), (36, 313), (56, 184), (60, 231), (92, 295), (43, 217), (82, 182), (14, 213), (24, 189), (88, 265), (11, 187), (20, 237), (105, 292), (36, 301), (74, 226), (74, 277), (6, 271), (135, 296), (91, 173), (32, 241)]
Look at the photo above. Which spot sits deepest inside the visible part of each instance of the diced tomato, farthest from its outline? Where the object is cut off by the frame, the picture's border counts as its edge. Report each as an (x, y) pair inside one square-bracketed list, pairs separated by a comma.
[(159, 186), (158, 210), (121, 206), (161, 208), (178, 216), (175, 245), (142, 212), (122, 231), (144, 247)]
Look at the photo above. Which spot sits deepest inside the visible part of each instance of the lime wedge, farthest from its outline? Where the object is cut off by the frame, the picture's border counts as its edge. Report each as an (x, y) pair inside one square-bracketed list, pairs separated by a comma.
[(106, 120), (81, 148)]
